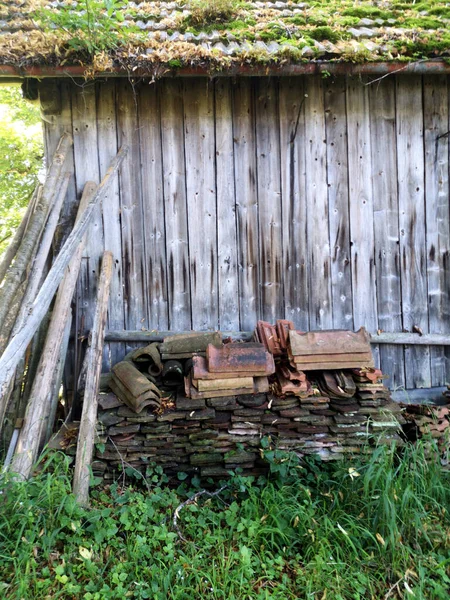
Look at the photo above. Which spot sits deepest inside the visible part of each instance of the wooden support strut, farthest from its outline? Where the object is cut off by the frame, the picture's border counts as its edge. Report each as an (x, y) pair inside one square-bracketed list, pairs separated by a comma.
[(15, 349), (427, 339), (88, 422), (41, 396)]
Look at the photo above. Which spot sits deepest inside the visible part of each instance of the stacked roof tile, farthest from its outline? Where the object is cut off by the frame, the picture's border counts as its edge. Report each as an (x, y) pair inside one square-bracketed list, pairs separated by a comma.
[(177, 34)]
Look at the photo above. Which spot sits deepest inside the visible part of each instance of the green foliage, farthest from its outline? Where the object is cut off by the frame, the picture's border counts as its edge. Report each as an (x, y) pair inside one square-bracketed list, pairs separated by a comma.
[(21, 155), (94, 26), (344, 531), (206, 12)]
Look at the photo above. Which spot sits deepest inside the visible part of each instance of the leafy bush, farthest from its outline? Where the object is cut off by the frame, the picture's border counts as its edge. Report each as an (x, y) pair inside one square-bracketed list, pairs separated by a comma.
[(346, 531), (94, 26), (21, 158)]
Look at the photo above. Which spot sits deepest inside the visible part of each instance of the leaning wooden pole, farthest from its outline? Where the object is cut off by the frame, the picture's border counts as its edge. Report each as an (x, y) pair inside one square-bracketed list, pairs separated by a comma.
[(37, 270), (43, 386), (17, 271), (85, 447), (20, 232), (17, 346)]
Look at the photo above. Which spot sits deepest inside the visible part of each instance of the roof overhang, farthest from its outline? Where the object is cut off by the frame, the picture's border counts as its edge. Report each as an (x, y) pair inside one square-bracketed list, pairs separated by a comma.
[(423, 67)]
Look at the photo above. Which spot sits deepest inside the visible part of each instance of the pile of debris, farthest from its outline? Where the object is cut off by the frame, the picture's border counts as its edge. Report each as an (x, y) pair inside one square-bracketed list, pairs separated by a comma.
[(223, 397), (430, 422)]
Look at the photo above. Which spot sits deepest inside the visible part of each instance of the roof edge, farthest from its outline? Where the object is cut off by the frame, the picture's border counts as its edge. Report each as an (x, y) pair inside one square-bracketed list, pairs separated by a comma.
[(422, 67)]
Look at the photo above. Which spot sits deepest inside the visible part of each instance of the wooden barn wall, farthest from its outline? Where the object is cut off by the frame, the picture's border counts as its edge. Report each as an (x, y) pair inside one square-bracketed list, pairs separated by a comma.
[(324, 201)]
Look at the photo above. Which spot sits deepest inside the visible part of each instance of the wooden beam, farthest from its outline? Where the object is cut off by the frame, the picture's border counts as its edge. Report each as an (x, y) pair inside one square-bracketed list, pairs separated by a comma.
[(40, 306), (427, 339), (16, 273), (88, 422), (41, 395)]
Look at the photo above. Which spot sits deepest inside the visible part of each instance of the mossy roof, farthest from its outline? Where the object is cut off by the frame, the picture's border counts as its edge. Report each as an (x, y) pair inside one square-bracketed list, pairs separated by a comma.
[(151, 35)]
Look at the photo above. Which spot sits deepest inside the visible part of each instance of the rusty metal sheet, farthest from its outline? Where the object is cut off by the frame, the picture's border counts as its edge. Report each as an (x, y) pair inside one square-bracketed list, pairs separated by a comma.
[(247, 357), (329, 342), (268, 335)]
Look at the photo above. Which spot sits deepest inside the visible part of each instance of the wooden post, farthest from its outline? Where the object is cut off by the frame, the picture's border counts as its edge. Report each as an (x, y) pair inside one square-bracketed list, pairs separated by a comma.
[(42, 390), (18, 344), (20, 232), (15, 274), (88, 423), (38, 267)]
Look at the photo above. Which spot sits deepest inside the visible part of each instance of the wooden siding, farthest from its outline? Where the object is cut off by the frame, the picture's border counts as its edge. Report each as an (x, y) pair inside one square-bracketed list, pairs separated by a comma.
[(325, 201)]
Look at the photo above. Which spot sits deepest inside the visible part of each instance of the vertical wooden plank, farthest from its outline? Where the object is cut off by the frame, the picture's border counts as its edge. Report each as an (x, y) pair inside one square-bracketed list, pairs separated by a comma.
[(436, 123), (411, 193), (386, 232), (134, 270), (153, 206), (201, 201), (293, 182), (54, 127), (174, 176), (107, 149), (246, 203), (228, 280), (269, 199), (338, 210), (85, 142), (320, 302), (361, 208)]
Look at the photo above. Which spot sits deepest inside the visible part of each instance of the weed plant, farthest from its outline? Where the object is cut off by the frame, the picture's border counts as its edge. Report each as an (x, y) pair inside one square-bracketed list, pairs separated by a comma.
[(364, 528)]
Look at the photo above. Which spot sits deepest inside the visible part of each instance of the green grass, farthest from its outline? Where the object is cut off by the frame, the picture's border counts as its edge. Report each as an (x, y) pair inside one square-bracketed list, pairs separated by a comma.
[(357, 529)]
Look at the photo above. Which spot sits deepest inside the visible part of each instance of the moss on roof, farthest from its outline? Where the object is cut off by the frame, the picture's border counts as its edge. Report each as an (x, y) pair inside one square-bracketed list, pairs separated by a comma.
[(100, 34)]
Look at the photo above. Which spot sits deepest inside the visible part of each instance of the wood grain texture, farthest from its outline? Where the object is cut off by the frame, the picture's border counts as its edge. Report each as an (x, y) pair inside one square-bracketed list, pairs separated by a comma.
[(386, 230), (153, 206), (293, 194), (86, 434), (318, 250), (411, 198), (198, 96), (436, 124), (174, 177), (246, 202), (338, 202), (111, 213), (228, 279), (134, 271), (269, 199)]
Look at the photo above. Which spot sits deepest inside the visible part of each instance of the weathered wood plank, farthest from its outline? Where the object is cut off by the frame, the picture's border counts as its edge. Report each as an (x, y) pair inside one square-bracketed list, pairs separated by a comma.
[(411, 198), (201, 201), (386, 232), (246, 202), (318, 250), (361, 208), (228, 279), (153, 205), (269, 199), (42, 390), (292, 151), (54, 126), (177, 242), (85, 140), (338, 209), (436, 123), (88, 423), (111, 213), (134, 271)]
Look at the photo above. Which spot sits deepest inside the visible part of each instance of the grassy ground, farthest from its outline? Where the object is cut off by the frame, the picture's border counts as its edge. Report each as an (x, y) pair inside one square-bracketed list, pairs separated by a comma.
[(347, 531)]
